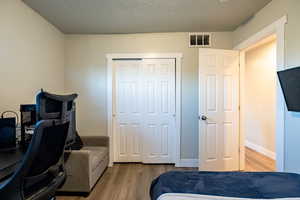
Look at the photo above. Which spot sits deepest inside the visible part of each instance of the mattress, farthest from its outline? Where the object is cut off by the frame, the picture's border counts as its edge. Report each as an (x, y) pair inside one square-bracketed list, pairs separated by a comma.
[(187, 185), (174, 196)]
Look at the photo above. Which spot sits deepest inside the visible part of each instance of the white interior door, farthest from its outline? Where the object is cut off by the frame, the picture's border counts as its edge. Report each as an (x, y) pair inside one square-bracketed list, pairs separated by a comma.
[(159, 93), (128, 111), (218, 110), (144, 109)]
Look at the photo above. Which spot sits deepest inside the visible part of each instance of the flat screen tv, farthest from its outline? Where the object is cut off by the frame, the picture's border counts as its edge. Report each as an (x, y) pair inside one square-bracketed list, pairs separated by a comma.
[(290, 84)]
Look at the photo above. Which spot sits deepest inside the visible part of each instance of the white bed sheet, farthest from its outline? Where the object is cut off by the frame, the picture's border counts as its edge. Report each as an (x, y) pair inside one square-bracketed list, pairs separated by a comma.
[(173, 196)]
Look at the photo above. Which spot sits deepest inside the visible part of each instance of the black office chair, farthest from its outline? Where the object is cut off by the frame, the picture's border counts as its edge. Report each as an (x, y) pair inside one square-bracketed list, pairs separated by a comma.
[(41, 172)]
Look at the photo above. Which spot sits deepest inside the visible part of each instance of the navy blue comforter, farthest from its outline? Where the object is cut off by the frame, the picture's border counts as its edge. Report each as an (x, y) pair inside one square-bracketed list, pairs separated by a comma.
[(255, 185)]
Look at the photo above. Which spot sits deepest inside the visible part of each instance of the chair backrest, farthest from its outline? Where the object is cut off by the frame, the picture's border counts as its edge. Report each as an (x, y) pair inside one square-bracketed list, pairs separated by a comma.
[(59, 107), (52, 106), (42, 165), (49, 147)]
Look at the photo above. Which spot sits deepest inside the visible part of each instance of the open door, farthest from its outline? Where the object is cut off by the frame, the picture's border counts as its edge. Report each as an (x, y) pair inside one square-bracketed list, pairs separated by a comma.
[(218, 110)]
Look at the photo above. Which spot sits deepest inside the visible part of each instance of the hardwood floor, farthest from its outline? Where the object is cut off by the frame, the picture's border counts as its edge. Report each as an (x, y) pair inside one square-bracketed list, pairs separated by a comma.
[(258, 162), (132, 181), (126, 182)]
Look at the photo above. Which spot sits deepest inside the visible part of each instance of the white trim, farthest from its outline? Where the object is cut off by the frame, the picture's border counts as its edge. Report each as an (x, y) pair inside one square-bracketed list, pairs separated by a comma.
[(277, 28), (183, 196), (188, 163), (109, 98), (110, 57), (267, 31), (261, 150), (143, 55), (242, 110)]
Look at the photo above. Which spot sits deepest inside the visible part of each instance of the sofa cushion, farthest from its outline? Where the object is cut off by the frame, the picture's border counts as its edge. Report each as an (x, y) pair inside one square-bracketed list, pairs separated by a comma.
[(97, 155)]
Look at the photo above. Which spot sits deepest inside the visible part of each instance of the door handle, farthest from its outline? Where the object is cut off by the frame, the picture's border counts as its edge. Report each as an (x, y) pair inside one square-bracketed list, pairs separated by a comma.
[(203, 118)]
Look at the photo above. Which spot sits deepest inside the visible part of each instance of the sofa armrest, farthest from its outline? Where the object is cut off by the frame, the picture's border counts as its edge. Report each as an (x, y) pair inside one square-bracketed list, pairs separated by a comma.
[(78, 158), (78, 170), (95, 141)]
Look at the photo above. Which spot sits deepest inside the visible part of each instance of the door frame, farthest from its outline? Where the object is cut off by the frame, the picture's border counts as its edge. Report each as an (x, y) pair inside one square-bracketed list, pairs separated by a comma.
[(109, 93), (278, 29)]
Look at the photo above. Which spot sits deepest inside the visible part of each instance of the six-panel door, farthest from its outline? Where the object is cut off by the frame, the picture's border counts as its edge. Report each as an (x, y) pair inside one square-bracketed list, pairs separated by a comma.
[(128, 111), (218, 110), (144, 109), (159, 93)]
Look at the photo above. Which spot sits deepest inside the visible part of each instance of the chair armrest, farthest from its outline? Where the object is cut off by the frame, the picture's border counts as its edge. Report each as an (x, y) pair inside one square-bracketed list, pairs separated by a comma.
[(95, 141)]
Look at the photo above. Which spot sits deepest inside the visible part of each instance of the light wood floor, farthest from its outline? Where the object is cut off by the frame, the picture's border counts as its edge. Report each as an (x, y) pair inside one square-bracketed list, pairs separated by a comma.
[(126, 182), (132, 181), (258, 162)]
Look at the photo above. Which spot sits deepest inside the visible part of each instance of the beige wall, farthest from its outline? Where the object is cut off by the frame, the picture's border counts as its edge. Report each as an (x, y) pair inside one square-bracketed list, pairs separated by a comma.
[(86, 75), (31, 55), (260, 95), (272, 12), (266, 16)]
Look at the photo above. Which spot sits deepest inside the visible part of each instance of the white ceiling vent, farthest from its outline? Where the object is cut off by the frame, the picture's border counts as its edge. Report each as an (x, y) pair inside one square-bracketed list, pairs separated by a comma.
[(200, 40)]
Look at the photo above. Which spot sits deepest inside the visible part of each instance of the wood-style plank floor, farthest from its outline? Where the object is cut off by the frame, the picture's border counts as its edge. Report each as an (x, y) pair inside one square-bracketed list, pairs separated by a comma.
[(132, 181), (126, 182), (256, 162)]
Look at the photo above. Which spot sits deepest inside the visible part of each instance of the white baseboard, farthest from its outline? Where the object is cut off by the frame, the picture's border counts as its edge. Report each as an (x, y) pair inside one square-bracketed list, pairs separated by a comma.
[(261, 150), (187, 163)]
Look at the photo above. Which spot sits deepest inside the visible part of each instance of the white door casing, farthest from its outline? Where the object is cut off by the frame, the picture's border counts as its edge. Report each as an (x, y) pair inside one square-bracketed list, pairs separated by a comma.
[(218, 102), (144, 108), (277, 28)]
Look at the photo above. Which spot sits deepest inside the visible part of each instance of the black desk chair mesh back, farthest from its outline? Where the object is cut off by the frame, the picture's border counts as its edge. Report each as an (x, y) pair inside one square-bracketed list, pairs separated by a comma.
[(51, 106), (41, 171), (60, 107)]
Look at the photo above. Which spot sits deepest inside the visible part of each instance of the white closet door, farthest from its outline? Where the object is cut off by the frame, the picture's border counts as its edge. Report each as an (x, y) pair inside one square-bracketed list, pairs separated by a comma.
[(159, 110), (218, 110), (128, 111), (144, 108)]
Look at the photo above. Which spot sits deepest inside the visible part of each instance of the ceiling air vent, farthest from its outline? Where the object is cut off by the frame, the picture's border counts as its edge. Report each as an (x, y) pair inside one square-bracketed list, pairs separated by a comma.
[(200, 39)]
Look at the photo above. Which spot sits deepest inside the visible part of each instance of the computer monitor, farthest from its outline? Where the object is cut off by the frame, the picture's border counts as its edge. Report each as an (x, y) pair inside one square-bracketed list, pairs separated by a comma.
[(28, 114), (28, 121), (7, 133), (290, 84)]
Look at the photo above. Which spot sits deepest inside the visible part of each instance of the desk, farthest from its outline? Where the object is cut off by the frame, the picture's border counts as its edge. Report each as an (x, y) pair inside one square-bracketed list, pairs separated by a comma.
[(9, 161)]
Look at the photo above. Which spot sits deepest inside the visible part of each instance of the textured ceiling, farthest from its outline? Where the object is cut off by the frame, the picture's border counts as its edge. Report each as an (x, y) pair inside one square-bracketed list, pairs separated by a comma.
[(144, 16)]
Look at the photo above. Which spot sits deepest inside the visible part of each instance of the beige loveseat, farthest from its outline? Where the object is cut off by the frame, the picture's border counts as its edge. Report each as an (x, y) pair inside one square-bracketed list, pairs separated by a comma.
[(84, 167)]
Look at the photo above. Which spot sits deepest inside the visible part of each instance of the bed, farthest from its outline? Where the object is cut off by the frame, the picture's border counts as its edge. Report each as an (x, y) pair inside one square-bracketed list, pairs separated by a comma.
[(195, 185)]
